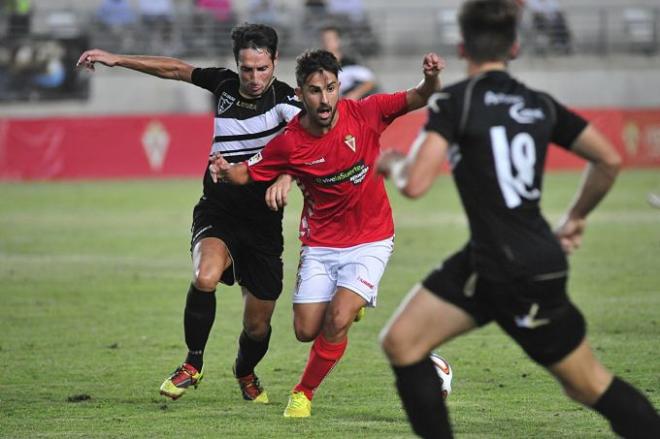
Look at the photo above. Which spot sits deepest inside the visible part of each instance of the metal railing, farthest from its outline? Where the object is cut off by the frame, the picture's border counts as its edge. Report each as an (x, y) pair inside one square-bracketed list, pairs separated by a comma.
[(391, 31), (626, 29)]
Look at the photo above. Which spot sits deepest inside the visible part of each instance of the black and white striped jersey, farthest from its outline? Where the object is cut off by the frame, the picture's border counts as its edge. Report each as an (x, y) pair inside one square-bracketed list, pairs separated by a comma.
[(353, 74), (242, 127), (498, 131)]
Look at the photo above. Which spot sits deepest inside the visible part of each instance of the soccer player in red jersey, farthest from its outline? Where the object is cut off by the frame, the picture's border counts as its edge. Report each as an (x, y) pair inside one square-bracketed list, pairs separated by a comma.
[(346, 225)]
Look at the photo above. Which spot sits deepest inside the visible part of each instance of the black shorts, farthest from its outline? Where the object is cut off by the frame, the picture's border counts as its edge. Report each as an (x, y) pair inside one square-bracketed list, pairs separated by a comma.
[(255, 249), (536, 313)]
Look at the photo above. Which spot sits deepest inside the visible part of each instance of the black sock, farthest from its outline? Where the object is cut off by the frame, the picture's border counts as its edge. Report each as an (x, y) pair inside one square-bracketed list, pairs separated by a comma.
[(420, 389), (631, 415), (250, 353), (198, 318)]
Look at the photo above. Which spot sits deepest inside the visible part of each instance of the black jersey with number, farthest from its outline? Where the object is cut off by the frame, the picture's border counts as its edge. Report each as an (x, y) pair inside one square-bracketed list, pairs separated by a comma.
[(242, 128), (498, 131)]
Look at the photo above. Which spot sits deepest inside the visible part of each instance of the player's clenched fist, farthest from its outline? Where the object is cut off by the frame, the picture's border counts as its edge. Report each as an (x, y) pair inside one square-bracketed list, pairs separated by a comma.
[(433, 64), (569, 232)]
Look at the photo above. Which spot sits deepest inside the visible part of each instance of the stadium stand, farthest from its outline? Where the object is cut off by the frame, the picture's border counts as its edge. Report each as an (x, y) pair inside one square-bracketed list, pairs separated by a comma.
[(614, 45), (597, 27), (641, 29)]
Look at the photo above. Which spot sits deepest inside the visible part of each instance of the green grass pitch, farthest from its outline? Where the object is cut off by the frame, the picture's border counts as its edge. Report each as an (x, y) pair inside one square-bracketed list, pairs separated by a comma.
[(93, 277)]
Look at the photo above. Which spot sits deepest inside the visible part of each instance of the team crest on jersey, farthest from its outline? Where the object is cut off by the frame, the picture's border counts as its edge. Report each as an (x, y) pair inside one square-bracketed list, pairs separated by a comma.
[(225, 102), (349, 140)]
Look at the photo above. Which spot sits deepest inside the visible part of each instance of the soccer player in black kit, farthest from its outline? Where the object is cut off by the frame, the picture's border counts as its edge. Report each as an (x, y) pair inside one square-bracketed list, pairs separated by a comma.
[(513, 270), (235, 236)]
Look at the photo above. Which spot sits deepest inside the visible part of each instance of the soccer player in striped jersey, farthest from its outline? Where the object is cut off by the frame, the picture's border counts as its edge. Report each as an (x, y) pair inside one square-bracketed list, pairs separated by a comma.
[(513, 270), (356, 79), (235, 237), (346, 226)]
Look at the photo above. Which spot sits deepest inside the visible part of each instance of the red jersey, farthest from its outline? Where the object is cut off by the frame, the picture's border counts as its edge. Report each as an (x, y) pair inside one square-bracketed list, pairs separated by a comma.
[(345, 200)]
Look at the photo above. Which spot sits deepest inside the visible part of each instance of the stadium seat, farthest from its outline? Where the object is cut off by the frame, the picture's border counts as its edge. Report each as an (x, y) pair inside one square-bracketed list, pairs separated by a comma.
[(640, 29), (447, 27)]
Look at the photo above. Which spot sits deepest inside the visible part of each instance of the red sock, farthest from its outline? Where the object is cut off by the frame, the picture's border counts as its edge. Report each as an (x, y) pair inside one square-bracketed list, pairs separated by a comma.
[(322, 358)]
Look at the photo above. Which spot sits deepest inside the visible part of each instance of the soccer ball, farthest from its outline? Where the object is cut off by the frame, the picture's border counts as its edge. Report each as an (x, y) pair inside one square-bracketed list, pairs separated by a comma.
[(444, 371)]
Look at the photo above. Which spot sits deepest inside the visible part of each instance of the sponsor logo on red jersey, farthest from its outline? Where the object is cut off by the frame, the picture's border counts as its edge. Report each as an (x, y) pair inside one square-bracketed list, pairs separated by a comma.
[(355, 174)]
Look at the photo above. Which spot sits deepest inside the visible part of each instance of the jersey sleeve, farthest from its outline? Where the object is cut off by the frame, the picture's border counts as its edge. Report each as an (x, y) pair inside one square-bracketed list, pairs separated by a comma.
[(568, 125), (360, 73), (442, 116), (209, 78), (381, 109), (290, 107), (272, 161)]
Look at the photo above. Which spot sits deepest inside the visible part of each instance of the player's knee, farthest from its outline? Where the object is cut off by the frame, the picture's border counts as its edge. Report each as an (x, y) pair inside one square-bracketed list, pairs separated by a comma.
[(391, 343), (206, 280), (304, 334), (306, 327), (256, 329), (337, 323)]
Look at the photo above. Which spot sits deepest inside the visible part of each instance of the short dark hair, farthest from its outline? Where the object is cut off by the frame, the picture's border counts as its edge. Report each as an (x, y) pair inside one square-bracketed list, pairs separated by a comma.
[(254, 36), (312, 61), (488, 28)]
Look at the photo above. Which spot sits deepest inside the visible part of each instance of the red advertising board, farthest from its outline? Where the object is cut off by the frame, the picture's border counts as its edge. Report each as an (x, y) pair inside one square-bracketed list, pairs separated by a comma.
[(106, 147), (153, 146)]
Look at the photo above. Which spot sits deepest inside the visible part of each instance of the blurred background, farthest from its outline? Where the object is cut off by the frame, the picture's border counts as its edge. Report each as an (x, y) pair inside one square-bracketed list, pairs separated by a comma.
[(601, 57)]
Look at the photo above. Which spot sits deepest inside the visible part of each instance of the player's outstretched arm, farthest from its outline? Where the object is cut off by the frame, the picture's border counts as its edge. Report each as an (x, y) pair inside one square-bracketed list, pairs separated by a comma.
[(604, 165), (160, 66), (432, 65), (361, 90), (415, 173)]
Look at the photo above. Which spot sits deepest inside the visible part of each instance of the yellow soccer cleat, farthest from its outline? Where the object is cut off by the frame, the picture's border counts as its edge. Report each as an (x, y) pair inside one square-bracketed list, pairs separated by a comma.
[(183, 377), (251, 389), (360, 315), (299, 406)]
